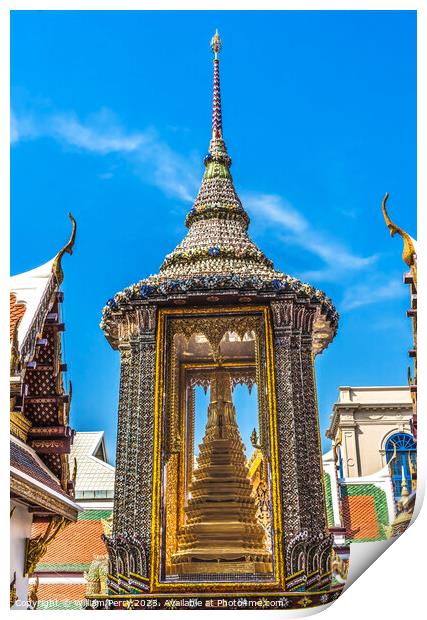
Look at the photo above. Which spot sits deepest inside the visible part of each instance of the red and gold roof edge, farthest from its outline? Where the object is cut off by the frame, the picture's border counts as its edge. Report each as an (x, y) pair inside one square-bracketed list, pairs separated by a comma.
[(39, 405)]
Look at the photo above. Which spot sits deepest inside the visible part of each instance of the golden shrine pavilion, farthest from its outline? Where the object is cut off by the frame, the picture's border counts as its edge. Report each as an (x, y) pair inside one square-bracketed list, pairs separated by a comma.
[(218, 314)]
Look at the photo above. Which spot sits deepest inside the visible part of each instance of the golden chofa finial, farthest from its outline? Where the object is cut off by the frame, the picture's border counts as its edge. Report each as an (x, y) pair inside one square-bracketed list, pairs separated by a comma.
[(409, 254), (216, 44), (56, 267)]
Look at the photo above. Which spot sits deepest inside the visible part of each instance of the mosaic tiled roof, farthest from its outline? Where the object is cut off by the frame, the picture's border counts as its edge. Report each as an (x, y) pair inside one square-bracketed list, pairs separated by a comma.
[(24, 459), (33, 290), (61, 595), (40, 405), (217, 252), (17, 311), (94, 473), (217, 241), (74, 549), (365, 513)]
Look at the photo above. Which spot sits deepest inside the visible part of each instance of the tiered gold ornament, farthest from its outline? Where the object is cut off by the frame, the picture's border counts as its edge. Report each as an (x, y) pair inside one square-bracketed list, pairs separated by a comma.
[(221, 535)]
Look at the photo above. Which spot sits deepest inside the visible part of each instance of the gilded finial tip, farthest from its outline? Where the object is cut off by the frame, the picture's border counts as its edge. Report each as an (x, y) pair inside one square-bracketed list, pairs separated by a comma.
[(216, 43)]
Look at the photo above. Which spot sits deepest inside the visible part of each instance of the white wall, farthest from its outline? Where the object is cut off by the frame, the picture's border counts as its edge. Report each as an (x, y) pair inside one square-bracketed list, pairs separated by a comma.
[(20, 530)]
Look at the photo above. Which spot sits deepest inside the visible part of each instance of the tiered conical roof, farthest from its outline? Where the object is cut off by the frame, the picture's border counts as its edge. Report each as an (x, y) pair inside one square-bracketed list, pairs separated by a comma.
[(221, 534), (217, 254), (217, 242)]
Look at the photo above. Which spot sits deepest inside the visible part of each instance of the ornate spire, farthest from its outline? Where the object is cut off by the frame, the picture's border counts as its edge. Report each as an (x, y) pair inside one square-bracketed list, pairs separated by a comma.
[(216, 46), (217, 242), (217, 253), (217, 197)]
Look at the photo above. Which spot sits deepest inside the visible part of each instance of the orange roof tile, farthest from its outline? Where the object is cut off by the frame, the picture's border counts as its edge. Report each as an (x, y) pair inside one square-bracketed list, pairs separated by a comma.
[(17, 311), (78, 543), (360, 517), (61, 591)]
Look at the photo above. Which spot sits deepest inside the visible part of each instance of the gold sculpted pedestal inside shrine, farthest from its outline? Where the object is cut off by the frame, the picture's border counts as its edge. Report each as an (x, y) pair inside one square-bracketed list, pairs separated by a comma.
[(221, 534)]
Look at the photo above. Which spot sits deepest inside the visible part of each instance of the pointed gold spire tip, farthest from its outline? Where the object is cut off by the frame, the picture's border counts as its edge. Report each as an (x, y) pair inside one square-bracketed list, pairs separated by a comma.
[(216, 44)]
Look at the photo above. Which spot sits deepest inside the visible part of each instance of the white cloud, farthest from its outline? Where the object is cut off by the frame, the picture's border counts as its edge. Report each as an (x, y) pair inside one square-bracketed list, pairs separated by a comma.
[(276, 210), (101, 137), (337, 258), (367, 294), (21, 128), (152, 159), (14, 133)]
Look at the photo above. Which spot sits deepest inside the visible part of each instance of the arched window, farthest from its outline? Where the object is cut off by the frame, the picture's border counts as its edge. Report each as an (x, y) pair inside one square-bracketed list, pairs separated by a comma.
[(406, 460)]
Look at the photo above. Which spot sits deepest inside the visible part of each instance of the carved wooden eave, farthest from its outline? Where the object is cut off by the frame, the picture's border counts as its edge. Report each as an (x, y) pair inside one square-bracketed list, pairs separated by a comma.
[(39, 497)]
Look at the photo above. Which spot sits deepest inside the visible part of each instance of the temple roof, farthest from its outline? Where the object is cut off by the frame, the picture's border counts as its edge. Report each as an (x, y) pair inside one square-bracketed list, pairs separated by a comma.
[(30, 296), (29, 470), (217, 254), (217, 242), (25, 459), (39, 404), (94, 473)]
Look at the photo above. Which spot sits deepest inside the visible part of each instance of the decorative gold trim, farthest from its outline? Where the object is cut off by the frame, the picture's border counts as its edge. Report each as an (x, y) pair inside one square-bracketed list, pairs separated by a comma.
[(33, 599), (40, 497), (339, 566), (300, 572), (13, 593), (36, 547), (217, 594), (275, 470), (139, 576), (14, 350), (201, 364), (255, 463), (155, 584), (68, 247), (19, 425)]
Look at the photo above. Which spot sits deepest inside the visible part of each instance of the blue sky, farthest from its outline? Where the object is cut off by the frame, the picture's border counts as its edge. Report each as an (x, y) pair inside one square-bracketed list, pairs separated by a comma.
[(111, 120)]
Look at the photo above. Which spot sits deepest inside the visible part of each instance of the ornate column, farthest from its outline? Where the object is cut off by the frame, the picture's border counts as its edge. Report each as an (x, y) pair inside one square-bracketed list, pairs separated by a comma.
[(123, 423), (130, 543), (304, 522), (144, 437)]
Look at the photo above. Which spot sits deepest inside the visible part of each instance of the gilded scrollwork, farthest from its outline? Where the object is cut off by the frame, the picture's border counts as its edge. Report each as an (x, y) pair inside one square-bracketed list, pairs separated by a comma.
[(132, 324), (33, 599), (13, 593), (36, 547), (214, 328)]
